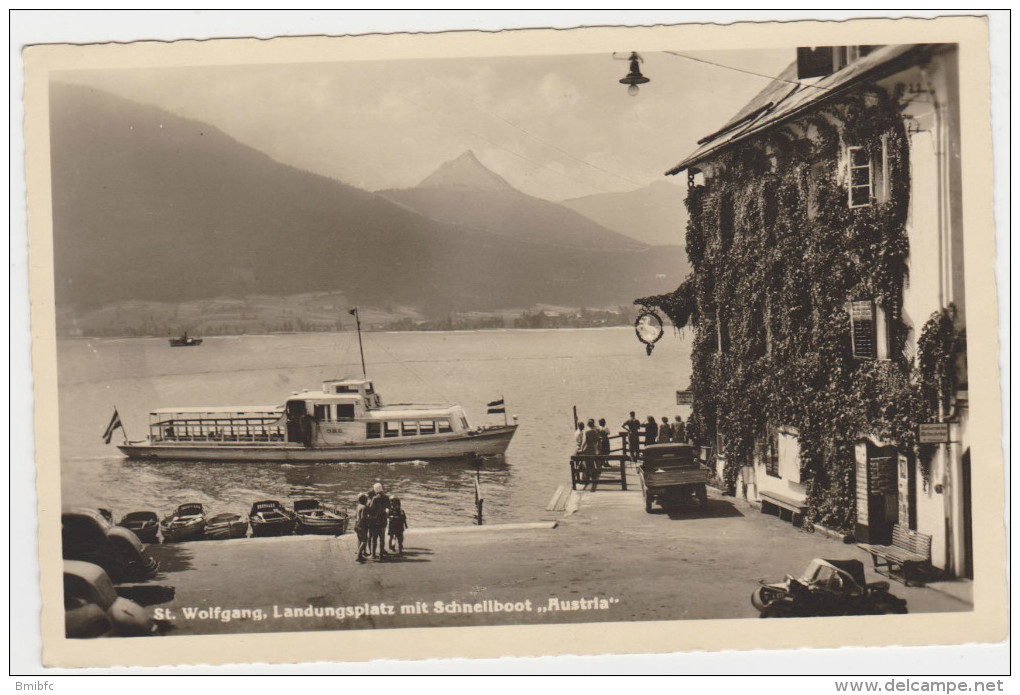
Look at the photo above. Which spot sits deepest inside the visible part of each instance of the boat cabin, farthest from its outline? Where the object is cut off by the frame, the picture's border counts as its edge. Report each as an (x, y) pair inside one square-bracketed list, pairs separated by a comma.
[(343, 412), (226, 425)]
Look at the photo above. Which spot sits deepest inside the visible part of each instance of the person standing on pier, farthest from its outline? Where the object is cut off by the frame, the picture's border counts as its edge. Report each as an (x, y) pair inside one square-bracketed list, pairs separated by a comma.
[(633, 428), (579, 438), (665, 432), (679, 431), (590, 442), (651, 431), (603, 438)]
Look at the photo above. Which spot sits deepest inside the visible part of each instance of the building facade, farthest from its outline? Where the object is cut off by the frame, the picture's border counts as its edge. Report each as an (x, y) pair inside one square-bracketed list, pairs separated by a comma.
[(827, 296)]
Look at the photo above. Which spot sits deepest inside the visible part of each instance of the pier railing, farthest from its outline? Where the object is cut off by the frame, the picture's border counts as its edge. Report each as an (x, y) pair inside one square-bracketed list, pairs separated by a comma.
[(592, 470)]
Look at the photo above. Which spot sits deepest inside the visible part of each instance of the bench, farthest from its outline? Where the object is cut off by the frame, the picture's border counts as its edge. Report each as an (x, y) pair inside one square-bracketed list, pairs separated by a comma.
[(782, 503), (908, 550)]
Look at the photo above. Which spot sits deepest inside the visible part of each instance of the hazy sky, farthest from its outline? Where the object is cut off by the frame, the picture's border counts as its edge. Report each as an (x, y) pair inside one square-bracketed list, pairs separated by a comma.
[(554, 126)]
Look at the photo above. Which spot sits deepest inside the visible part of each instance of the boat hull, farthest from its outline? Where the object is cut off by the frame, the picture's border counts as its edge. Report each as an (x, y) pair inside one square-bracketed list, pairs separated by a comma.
[(489, 442), (332, 526), (276, 527), (178, 533)]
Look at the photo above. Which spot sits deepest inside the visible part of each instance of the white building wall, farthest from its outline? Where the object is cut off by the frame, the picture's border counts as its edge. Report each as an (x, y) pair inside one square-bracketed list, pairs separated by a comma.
[(788, 483)]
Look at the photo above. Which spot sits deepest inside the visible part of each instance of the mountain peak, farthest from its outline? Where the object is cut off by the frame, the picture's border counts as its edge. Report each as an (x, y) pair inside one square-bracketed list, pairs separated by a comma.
[(466, 172)]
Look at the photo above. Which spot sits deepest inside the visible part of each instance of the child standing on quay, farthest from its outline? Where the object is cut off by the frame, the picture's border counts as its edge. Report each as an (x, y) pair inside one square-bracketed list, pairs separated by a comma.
[(398, 522), (361, 526)]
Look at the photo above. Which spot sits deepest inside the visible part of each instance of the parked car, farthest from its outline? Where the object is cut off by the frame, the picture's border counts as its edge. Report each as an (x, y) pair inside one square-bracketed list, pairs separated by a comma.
[(87, 535), (827, 588), (92, 607)]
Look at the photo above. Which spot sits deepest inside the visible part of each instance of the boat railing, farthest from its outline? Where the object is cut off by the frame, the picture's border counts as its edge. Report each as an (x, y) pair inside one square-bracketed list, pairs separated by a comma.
[(267, 438)]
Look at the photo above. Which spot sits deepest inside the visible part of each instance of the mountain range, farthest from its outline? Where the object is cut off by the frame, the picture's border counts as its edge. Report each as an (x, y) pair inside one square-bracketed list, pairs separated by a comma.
[(150, 206)]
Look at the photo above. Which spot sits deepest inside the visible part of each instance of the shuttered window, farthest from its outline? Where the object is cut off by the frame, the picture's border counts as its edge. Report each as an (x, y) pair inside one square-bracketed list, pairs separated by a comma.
[(771, 454), (863, 330)]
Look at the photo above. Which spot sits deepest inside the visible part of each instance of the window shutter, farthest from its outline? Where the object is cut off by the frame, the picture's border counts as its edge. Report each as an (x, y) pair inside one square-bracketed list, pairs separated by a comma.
[(814, 61), (862, 329)]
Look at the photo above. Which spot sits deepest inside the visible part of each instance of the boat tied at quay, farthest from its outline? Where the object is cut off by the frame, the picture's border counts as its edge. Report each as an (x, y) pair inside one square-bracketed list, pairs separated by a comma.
[(344, 421)]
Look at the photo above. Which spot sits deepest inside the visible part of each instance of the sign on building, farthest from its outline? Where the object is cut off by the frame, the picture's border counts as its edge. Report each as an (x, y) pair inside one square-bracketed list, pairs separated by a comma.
[(685, 398), (933, 433)]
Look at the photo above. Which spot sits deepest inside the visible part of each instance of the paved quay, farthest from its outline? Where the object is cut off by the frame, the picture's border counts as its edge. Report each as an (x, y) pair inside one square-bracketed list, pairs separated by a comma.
[(604, 559)]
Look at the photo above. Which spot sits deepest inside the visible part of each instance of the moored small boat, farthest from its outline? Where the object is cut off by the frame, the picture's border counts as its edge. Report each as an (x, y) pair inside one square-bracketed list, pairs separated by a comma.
[(145, 525), (187, 523), (315, 517), (270, 518), (227, 525)]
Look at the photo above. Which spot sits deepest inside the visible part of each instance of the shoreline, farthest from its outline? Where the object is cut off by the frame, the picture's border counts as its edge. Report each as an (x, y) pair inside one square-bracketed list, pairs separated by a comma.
[(602, 560)]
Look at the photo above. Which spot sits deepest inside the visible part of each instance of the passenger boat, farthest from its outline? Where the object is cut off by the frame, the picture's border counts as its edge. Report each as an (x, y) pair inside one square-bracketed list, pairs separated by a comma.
[(227, 525), (270, 518), (344, 421), (144, 524), (315, 517), (185, 341), (187, 523)]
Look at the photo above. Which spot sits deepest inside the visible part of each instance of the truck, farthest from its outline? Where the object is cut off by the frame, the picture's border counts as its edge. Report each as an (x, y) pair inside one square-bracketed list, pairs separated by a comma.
[(671, 474)]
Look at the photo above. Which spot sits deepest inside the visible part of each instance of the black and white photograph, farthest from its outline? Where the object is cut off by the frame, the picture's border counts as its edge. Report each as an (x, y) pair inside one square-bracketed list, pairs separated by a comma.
[(626, 331)]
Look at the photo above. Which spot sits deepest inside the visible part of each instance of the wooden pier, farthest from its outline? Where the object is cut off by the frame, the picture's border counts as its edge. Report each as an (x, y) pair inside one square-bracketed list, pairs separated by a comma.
[(591, 470)]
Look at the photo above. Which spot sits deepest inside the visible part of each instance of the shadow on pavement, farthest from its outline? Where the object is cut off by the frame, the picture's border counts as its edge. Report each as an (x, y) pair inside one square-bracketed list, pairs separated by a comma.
[(147, 594), (713, 509), (171, 558)]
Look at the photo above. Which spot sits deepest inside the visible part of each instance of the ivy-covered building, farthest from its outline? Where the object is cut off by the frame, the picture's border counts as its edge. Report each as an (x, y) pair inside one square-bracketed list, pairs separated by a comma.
[(827, 296)]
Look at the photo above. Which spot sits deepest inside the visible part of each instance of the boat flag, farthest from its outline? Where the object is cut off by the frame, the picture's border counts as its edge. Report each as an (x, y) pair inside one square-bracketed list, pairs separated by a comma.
[(114, 424), (497, 407)]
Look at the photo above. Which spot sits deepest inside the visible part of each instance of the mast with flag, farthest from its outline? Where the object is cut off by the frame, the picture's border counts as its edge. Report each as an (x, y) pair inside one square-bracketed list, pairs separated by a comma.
[(498, 407), (115, 423), (354, 312)]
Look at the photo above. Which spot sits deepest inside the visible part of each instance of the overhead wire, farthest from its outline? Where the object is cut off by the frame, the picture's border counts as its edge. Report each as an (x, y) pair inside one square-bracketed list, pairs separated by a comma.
[(747, 72)]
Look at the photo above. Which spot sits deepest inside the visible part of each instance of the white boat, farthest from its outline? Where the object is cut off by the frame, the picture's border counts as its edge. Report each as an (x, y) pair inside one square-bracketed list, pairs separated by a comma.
[(345, 421)]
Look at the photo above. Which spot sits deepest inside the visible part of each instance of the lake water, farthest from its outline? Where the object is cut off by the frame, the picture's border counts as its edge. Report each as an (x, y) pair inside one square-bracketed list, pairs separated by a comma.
[(541, 373)]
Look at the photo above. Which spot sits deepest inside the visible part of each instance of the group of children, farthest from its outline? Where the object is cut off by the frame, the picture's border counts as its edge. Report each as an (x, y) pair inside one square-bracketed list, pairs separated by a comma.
[(377, 516)]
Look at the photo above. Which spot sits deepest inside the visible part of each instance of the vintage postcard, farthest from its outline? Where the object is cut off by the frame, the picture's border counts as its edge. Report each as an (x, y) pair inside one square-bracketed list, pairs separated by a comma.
[(541, 342)]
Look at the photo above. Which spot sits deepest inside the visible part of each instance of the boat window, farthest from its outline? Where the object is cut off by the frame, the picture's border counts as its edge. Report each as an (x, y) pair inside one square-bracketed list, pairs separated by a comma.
[(374, 430), (391, 429), (345, 411), (321, 412), (368, 388), (444, 426), (409, 429), (463, 422), (427, 427)]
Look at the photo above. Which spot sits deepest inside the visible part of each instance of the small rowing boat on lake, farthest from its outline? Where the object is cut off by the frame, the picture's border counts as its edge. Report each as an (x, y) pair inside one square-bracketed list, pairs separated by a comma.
[(315, 517), (270, 518), (145, 525), (187, 523), (226, 525)]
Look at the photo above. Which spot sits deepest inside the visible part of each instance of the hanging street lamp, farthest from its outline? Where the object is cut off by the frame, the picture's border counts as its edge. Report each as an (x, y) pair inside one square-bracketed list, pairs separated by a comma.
[(649, 329), (634, 77)]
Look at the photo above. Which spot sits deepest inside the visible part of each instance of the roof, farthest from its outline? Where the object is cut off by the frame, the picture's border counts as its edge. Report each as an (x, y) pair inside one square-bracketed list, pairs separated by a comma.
[(413, 412), (781, 100), (221, 410)]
